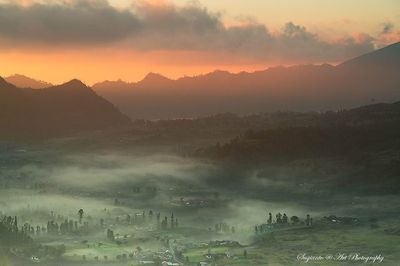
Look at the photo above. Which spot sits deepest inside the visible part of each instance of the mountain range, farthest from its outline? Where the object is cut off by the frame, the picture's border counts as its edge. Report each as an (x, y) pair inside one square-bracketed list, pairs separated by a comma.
[(55, 111), (22, 81), (39, 108), (363, 80)]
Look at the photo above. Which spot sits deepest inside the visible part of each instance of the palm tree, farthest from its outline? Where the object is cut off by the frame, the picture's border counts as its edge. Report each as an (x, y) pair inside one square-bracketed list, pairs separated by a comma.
[(80, 213)]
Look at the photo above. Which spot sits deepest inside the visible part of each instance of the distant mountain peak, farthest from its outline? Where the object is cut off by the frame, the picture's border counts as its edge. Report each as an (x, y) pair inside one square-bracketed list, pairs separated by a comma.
[(388, 56), (218, 73), (154, 80), (5, 85), (20, 76), (23, 81), (112, 84), (152, 76), (75, 83)]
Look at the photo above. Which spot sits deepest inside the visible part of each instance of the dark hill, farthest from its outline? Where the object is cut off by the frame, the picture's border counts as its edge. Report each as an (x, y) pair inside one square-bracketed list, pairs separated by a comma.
[(56, 111), (358, 132)]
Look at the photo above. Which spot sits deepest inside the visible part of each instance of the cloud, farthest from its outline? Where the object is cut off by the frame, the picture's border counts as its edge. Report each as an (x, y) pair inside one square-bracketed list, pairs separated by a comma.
[(389, 34), (387, 28), (160, 25), (68, 22)]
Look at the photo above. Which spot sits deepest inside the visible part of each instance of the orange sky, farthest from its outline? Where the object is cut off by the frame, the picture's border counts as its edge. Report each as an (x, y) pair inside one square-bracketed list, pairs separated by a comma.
[(92, 66), (165, 44)]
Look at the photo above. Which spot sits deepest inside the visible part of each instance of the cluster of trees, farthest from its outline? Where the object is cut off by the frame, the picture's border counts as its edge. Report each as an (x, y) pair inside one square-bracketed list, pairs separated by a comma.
[(11, 224), (164, 223), (29, 229), (307, 142), (282, 220), (136, 219), (11, 235), (119, 257), (17, 238), (147, 217), (110, 235), (68, 226), (224, 228), (365, 129)]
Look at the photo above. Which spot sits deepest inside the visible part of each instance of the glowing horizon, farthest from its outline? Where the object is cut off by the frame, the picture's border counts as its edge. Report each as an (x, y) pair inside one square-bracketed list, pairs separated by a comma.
[(95, 40)]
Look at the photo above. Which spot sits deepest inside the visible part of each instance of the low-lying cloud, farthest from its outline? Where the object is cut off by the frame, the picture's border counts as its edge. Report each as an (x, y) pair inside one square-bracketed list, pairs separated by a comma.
[(164, 26), (387, 28)]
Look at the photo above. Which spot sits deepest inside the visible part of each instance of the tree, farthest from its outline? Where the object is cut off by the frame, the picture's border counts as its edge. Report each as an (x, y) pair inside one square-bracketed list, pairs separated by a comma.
[(279, 218), (15, 224), (295, 219), (308, 220), (284, 219), (110, 235), (80, 213)]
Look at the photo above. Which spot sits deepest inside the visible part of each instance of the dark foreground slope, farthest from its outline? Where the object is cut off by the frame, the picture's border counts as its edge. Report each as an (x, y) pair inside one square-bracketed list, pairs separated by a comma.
[(354, 152), (56, 111), (364, 130)]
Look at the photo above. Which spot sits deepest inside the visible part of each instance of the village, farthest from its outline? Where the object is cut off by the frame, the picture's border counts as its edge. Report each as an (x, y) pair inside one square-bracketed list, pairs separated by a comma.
[(115, 239)]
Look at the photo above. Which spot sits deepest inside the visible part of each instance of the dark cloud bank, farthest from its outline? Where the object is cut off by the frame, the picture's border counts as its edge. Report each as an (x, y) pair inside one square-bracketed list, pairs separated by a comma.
[(146, 26)]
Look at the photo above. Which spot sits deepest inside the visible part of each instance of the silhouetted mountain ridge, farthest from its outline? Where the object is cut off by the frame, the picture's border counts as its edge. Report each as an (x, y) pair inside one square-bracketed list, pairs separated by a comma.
[(369, 78), (56, 111), (4, 85), (387, 57), (22, 81)]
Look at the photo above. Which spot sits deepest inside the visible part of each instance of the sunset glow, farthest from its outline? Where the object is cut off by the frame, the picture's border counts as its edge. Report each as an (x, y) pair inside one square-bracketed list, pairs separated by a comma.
[(100, 40)]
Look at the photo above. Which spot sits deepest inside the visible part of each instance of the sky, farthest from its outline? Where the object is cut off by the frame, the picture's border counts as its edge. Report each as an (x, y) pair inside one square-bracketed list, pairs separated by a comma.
[(96, 40)]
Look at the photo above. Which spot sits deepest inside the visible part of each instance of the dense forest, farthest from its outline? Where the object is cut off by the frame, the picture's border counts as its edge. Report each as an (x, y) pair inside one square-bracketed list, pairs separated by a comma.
[(368, 129)]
